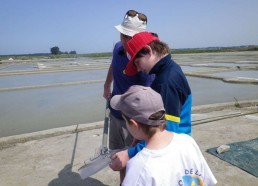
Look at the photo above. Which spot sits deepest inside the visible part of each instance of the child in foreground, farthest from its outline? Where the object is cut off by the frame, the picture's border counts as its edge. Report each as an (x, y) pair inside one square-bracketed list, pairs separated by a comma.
[(168, 158)]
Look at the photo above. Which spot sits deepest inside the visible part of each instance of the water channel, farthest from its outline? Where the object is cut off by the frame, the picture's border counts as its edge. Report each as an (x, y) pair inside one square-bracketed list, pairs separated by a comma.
[(40, 108)]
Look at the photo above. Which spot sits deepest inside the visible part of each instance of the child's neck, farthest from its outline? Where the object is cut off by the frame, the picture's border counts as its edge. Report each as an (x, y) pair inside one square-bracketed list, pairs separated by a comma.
[(159, 140)]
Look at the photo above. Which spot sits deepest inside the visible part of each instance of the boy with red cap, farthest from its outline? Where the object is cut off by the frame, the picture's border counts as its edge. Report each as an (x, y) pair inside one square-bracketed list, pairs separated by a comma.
[(148, 54)]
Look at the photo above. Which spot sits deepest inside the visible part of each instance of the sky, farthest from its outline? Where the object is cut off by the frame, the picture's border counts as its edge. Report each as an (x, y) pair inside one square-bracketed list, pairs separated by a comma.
[(87, 26)]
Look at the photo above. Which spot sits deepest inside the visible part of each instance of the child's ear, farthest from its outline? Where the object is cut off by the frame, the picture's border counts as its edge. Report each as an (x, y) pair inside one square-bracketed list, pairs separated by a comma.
[(134, 123), (148, 49)]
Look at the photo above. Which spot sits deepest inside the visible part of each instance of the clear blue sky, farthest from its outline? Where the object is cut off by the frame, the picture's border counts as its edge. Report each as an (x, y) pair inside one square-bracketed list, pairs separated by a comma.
[(87, 26)]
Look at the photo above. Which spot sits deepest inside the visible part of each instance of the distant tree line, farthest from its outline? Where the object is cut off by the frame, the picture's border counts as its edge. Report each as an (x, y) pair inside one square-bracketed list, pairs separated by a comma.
[(215, 49), (55, 50)]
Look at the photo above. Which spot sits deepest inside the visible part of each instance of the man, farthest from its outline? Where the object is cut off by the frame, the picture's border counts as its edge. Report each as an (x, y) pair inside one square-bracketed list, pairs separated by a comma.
[(134, 22)]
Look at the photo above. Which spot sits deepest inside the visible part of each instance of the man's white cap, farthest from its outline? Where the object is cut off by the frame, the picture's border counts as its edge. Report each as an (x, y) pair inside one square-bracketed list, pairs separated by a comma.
[(131, 25)]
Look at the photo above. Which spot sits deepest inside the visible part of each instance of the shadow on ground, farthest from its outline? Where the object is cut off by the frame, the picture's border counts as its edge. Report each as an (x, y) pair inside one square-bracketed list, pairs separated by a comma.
[(68, 178)]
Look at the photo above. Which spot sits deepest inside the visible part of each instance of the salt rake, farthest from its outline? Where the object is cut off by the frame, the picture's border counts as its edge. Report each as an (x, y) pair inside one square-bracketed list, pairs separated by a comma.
[(102, 156), (97, 163)]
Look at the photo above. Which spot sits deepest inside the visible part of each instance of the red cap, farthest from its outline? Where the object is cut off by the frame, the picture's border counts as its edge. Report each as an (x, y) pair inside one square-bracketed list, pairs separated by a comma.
[(133, 46)]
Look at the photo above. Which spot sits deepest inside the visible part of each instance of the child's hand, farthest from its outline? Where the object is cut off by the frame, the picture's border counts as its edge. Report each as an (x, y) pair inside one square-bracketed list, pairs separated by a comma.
[(119, 160)]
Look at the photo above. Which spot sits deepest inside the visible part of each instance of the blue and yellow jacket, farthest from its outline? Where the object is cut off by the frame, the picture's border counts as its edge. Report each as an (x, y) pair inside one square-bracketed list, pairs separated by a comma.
[(175, 91)]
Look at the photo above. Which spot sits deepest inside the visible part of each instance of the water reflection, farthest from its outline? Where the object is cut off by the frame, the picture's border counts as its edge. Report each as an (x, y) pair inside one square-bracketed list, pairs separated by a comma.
[(247, 73), (51, 78), (39, 109), (190, 68), (209, 91), (18, 67), (30, 110)]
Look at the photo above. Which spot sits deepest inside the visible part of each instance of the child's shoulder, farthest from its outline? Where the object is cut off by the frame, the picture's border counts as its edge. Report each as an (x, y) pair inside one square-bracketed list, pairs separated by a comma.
[(179, 136), (184, 138)]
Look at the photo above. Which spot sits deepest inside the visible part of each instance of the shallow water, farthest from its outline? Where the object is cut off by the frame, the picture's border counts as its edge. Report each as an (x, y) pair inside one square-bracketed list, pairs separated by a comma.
[(39, 109), (51, 78), (35, 109), (246, 73)]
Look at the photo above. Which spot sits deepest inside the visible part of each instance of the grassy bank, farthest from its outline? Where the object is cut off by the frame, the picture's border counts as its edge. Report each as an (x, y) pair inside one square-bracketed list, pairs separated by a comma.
[(215, 49), (109, 54), (51, 56)]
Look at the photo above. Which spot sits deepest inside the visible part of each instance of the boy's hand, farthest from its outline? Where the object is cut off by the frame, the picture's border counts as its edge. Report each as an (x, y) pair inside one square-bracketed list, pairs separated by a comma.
[(119, 160)]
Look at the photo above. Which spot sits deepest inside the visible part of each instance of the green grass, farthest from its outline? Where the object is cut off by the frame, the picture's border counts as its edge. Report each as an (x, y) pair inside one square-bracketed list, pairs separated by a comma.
[(51, 56), (109, 54), (214, 50)]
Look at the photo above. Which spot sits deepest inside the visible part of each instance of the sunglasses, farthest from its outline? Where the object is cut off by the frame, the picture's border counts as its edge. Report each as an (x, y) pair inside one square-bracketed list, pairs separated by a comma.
[(133, 13)]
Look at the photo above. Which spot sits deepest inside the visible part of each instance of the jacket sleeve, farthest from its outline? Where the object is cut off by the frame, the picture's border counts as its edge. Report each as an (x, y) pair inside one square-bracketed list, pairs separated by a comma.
[(132, 151), (146, 79)]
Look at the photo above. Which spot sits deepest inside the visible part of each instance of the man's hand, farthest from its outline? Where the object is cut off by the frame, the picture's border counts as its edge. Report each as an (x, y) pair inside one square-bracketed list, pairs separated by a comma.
[(119, 160), (107, 84), (107, 92)]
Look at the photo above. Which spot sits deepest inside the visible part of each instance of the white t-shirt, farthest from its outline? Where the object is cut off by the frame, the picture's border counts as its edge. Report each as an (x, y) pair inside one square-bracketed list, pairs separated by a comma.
[(180, 163)]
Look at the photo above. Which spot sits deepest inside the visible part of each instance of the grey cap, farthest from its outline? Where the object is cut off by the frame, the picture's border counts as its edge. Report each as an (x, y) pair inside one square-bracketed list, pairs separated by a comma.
[(139, 103)]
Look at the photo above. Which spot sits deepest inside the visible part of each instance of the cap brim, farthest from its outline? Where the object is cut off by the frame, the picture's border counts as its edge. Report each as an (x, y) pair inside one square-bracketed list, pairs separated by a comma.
[(115, 102), (131, 68), (125, 31)]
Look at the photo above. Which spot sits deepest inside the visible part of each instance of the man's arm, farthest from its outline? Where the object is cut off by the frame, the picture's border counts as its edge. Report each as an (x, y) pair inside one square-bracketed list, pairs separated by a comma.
[(107, 84)]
